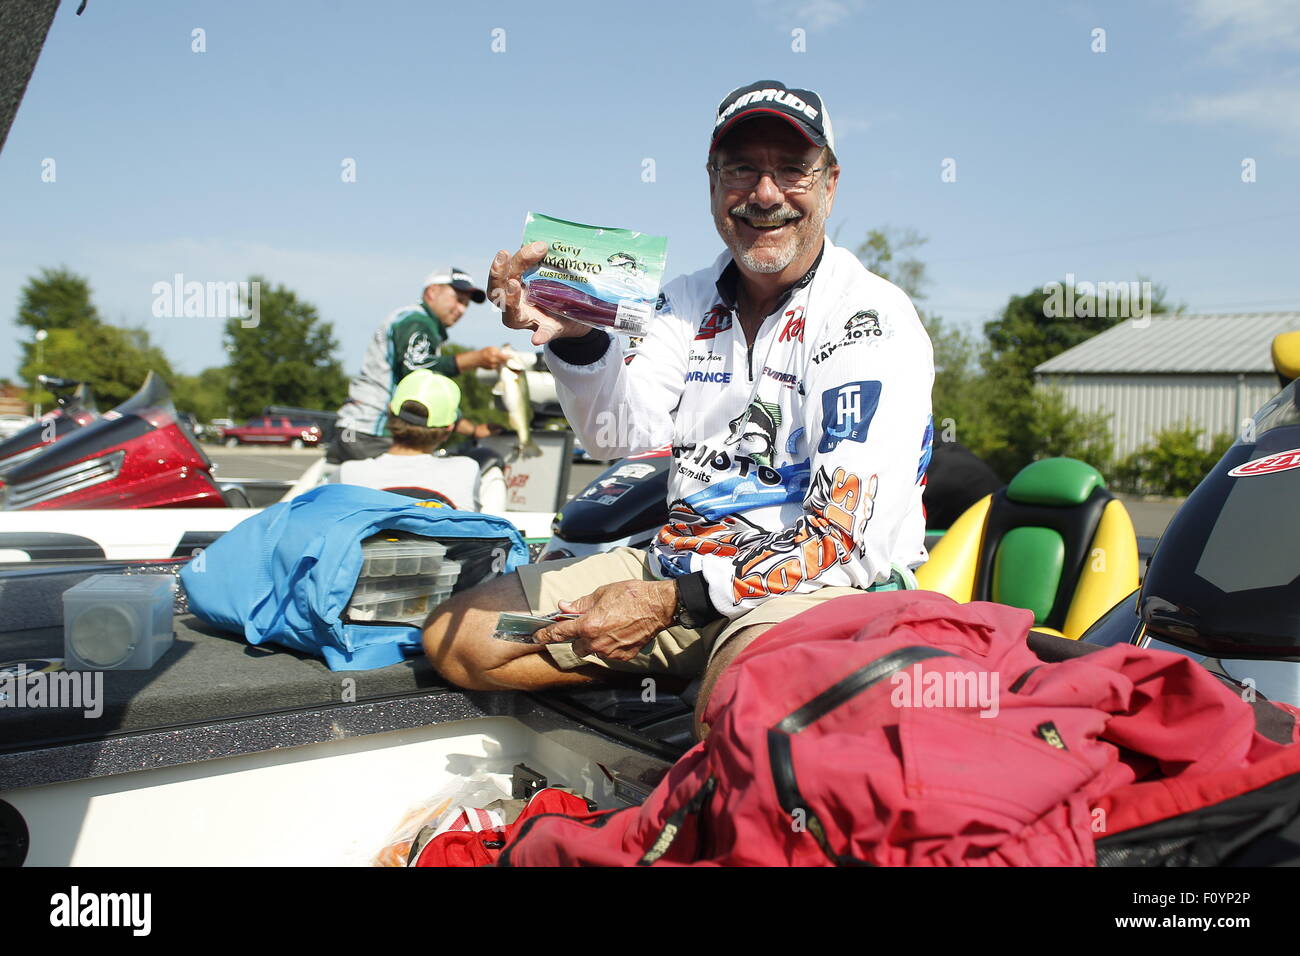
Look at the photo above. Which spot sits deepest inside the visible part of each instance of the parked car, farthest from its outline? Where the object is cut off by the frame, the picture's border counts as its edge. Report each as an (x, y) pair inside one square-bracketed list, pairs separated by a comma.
[(323, 420), (215, 430), (11, 425), (272, 430)]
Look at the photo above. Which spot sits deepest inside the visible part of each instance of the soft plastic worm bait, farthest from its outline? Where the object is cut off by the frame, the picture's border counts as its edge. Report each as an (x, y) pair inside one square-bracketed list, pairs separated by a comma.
[(562, 301)]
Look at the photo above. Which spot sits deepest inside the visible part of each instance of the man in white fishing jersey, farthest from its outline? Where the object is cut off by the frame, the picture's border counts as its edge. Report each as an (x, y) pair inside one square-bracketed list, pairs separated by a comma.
[(793, 386)]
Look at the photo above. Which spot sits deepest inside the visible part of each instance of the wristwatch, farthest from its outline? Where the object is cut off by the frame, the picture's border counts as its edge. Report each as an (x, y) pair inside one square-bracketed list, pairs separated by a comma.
[(694, 609)]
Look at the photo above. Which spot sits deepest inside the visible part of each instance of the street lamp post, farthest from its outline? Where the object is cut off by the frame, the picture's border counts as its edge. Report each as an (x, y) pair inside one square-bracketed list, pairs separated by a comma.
[(40, 362)]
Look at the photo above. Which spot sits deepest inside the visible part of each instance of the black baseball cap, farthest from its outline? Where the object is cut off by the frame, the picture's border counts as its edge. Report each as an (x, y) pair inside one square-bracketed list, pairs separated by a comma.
[(803, 109), (458, 279)]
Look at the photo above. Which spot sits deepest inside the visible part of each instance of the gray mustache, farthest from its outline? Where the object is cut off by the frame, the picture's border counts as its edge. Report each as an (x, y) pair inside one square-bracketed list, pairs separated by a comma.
[(753, 212)]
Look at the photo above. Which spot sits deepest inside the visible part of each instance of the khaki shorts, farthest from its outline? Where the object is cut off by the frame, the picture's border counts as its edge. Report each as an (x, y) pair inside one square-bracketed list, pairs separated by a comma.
[(680, 651)]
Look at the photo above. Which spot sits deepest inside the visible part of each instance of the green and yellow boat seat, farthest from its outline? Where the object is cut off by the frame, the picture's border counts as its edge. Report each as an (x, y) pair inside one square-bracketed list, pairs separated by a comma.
[(1054, 542)]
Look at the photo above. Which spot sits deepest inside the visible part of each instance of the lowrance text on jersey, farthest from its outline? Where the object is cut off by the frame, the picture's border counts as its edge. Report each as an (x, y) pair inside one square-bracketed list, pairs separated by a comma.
[(711, 378)]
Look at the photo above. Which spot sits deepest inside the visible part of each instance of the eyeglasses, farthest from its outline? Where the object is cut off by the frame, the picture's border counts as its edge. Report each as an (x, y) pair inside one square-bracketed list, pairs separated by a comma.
[(790, 178)]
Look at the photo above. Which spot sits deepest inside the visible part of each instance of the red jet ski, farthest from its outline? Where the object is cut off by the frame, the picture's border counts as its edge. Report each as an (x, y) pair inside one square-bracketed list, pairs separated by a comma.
[(74, 409), (139, 455)]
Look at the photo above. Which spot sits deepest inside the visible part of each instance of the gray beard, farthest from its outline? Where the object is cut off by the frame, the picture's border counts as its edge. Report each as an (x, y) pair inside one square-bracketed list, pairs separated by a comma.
[(768, 267)]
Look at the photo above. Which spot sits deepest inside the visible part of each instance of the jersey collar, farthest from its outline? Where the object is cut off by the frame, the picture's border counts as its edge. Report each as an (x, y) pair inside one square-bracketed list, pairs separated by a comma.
[(728, 282)]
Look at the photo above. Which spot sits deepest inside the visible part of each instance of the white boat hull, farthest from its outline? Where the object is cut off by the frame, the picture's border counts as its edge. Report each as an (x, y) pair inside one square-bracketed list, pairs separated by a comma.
[(325, 804)]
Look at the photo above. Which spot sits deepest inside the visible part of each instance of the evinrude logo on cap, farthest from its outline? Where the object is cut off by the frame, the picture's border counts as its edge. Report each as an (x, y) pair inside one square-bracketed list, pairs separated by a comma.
[(1268, 465), (782, 97)]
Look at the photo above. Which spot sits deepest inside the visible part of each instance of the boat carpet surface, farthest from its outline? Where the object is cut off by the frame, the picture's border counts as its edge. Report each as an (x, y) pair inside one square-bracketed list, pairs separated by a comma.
[(206, 675)]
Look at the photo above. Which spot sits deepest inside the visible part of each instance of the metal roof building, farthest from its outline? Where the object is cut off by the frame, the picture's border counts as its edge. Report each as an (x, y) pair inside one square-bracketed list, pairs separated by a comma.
[(1162, 372)]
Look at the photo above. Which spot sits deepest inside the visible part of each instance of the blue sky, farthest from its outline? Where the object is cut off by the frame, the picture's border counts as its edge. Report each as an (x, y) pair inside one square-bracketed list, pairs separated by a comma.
[(223, 163)]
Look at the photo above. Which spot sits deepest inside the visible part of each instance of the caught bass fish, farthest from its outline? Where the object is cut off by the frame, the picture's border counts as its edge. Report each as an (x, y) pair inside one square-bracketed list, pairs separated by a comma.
[(512, 387)]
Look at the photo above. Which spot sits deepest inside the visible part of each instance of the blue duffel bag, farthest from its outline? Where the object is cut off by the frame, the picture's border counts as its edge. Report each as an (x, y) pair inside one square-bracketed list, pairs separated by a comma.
[(286, 575)]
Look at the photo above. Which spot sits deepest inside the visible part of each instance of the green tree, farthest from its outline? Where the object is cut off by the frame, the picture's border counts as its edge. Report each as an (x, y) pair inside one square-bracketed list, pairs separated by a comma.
[(1173, 464), (888, 252), (1058, 430), (286, 358), (960, 397), (959, 402), (56, 299), (985, 395), (1032, 329), (79, 344), (207, 394), (114, 361)]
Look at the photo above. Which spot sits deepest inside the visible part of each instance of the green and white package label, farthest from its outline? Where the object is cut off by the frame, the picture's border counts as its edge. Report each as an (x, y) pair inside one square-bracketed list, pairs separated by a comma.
[(602, 277)]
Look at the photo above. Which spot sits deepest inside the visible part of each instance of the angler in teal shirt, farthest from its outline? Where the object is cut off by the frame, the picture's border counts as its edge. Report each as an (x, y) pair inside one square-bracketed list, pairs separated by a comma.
[(410, 338)]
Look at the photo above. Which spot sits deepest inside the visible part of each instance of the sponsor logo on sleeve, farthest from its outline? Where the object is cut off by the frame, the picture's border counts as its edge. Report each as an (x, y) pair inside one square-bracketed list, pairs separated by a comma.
[(754, 432), (866, 322), (778, 562), (862, 326), (704, 462), (716, 321), (788, 379), (927, 448), (793, 325), (419, 351), (847, 412)]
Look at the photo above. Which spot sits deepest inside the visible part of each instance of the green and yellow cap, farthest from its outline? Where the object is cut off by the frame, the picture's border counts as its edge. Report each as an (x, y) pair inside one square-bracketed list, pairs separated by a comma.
[(437, 398)]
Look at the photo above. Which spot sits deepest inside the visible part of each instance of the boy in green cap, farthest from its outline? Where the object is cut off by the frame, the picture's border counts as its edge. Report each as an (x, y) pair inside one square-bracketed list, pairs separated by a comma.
[(422, 414)]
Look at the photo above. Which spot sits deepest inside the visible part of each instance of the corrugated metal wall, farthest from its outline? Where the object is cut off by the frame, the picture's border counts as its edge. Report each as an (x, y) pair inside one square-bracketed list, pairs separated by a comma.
[(1142, 405)]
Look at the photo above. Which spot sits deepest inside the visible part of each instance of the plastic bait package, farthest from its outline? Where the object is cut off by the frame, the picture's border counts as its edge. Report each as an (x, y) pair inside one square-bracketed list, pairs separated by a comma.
[(520, 628), (606, 278)]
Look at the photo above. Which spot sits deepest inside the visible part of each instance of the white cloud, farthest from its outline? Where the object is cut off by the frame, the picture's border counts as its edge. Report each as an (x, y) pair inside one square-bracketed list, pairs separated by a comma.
[(810, 14), (1274, 110), (1243, 27)]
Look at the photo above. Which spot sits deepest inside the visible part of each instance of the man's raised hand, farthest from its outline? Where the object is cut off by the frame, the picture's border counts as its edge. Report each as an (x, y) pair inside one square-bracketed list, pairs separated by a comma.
[(506, 291)]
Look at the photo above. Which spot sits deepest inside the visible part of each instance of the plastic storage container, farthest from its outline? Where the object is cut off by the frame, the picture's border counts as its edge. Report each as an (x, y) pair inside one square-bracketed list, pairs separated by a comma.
[(447, 575), (405, 607), (117, 622), (372, 586), (386, 556), (402, 579)]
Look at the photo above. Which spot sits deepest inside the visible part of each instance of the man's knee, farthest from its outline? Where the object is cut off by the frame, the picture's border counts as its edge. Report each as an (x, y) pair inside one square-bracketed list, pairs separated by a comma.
[(722, 659)]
